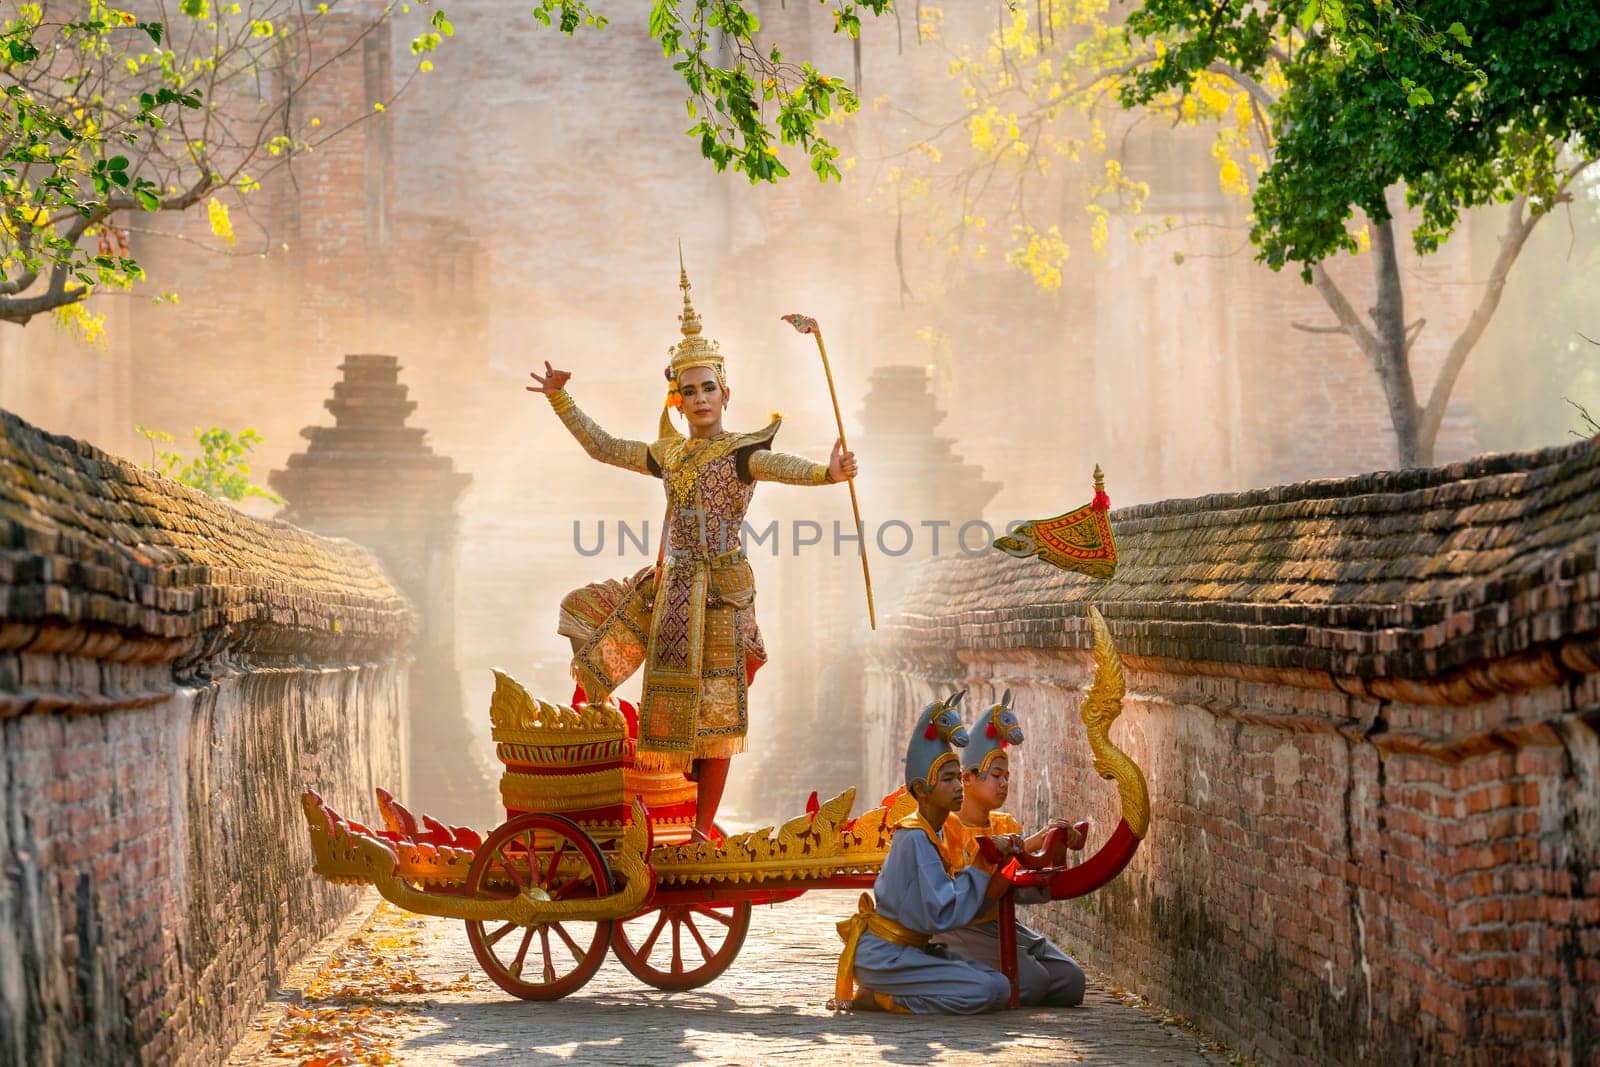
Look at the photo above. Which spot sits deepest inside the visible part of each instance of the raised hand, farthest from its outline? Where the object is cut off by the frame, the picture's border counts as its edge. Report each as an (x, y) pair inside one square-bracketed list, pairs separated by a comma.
[(842, 464), (552, 382), (1007, 845), (1077, 833)]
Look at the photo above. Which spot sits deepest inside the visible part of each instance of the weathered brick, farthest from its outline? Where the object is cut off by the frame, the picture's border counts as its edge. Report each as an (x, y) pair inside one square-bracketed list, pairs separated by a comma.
[(132, 786), (1293, 864)]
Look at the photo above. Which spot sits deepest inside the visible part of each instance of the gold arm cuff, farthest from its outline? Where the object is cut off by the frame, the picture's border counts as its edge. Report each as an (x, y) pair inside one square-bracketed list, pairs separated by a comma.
[(618, 452), (766, 466)]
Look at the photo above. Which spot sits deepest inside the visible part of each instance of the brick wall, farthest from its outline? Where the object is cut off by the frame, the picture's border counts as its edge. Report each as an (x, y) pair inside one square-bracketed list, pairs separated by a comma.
[(1367, 712), (172, 675)]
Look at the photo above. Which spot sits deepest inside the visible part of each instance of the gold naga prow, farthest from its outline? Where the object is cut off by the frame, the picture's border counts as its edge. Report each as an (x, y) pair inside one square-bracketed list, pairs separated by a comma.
[(1101, 706), (345, 853)]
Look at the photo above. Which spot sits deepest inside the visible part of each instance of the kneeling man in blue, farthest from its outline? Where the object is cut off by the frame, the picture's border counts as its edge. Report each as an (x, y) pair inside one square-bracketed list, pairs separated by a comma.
[(888, 960)]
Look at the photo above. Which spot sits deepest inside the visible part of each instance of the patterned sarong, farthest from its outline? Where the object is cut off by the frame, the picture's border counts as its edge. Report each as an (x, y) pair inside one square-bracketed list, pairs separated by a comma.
[(705, 649)]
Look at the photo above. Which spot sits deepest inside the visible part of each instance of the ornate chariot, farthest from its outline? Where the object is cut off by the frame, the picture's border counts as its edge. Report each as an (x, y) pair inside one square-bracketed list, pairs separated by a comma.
[(595, 854)]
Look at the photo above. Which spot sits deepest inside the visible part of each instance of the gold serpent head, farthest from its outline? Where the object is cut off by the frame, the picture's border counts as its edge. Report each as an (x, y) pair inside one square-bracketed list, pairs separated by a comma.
[(1018, 542)]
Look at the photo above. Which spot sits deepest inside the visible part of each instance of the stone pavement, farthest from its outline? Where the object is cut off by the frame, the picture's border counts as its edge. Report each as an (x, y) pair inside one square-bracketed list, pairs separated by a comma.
[(767, 1008)]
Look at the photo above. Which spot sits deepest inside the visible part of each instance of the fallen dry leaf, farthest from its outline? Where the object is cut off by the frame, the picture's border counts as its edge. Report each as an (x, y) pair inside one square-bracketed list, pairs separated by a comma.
[(343, 1019)]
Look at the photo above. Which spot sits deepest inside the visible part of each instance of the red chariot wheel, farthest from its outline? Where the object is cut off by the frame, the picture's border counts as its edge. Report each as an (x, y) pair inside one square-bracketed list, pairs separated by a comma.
[(681, 946), (547, 857)]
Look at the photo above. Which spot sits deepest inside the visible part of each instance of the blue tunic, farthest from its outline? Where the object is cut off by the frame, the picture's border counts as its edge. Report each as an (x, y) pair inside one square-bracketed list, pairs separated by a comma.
[(916, 890)]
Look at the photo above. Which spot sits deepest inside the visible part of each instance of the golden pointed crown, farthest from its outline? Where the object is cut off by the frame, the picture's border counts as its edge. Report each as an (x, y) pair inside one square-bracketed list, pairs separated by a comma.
[(694, 350)]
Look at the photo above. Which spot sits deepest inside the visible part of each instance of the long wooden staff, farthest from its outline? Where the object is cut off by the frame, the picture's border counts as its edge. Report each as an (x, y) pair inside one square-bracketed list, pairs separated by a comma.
[(806, 324)]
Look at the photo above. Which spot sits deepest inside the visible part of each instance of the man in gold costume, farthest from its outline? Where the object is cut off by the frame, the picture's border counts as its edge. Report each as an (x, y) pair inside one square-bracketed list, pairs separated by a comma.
[(690, 619)]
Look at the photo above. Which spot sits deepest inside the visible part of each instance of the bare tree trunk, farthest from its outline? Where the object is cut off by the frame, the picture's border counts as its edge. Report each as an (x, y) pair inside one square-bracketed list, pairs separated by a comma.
[(1391, 356), (1386, 348), (1387, 342), (1518, 227), (1389, 348)]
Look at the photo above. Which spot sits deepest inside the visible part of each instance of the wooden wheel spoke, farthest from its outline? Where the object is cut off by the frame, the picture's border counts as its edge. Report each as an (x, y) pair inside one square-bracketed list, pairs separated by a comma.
[(528, 854), (717, 947), (544, 945), (522, 954), (694, 932), (655, 932), (560, 891), (555, 859), (572, 946), (504, 857)]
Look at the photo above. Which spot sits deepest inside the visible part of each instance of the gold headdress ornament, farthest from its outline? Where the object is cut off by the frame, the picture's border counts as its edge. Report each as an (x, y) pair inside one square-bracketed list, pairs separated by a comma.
[(693, 351)]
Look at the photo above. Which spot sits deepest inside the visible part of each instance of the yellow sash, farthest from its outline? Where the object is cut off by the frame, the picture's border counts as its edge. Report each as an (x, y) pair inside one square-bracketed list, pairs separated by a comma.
[(867, 920)]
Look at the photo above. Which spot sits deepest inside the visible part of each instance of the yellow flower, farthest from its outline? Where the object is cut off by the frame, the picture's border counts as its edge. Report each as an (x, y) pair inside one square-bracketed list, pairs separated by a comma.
[(221, 221), (1042, 258), (76, 319)]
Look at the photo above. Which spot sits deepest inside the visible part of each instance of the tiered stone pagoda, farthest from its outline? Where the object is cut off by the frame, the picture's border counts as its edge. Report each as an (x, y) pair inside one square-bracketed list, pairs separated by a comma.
[(373, 479), (915, 474)]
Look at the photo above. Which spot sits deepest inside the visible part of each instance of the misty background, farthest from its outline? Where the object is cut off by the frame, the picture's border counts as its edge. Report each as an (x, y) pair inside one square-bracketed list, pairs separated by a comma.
[(524, 201)]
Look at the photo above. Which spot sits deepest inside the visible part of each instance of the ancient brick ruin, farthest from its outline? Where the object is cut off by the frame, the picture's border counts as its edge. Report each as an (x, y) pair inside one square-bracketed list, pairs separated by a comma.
[(172, 674), (1367, 711), (375, 480)]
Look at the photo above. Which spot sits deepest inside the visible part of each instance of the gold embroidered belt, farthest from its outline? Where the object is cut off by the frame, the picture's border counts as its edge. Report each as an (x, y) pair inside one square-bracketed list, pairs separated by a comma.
[(867, 920), (729, 580)]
